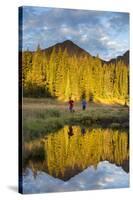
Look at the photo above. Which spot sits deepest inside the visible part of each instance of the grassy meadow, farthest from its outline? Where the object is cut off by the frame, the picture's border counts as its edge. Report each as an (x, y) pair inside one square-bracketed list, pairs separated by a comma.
[(45, 115)]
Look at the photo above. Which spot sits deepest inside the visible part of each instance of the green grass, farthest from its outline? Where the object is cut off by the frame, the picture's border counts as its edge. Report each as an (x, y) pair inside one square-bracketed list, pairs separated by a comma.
[(41, 117)]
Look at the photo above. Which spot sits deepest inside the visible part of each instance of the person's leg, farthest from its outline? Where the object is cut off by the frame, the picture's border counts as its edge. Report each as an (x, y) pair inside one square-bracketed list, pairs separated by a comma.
[(70, 108)]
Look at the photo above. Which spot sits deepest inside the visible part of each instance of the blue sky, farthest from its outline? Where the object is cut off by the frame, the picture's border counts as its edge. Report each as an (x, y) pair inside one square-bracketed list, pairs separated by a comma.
[(98, 32)]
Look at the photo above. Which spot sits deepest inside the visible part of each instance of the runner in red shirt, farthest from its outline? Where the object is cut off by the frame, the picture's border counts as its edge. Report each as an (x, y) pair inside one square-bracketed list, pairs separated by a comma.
[(71, 104)]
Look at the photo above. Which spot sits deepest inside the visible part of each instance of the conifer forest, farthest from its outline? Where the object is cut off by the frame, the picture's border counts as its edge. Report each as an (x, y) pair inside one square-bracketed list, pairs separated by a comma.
[(62, 75)]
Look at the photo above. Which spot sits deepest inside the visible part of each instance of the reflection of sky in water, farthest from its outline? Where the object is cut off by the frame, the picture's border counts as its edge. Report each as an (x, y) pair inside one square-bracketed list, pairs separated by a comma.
[(105, 176)]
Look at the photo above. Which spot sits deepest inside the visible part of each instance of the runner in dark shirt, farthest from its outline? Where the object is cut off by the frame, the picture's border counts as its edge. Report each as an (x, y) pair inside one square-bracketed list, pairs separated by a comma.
[(84, 103)]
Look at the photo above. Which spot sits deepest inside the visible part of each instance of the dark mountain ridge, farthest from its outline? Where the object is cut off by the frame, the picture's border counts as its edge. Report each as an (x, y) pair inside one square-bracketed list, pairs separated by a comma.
[(74, 49), (71, 48), (124, 58)]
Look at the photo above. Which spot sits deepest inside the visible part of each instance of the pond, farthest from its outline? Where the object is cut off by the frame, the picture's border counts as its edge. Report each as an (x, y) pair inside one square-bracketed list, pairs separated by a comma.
[(76, 158)]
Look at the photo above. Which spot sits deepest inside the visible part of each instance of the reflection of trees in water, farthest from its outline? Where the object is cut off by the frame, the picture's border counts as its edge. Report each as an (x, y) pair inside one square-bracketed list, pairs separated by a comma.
[(65, 157)]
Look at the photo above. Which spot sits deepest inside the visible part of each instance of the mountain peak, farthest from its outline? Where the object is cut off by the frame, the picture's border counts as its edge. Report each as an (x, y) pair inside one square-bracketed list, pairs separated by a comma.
[(71, 47), (68, 42)]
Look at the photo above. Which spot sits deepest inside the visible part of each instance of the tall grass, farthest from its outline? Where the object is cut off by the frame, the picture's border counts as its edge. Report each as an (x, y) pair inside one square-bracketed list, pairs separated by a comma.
[(39, 119)]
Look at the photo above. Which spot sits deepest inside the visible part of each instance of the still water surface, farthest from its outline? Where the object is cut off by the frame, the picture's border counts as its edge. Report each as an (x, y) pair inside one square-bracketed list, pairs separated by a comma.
[(76, 158)]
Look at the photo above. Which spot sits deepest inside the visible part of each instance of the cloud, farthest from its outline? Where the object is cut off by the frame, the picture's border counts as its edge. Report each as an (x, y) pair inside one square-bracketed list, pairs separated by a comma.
[(103, 33), (105, 176), (119, 22)]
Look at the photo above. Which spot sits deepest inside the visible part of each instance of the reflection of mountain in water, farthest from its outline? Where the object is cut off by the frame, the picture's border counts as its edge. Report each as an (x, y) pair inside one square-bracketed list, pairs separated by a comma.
[(71, 150)]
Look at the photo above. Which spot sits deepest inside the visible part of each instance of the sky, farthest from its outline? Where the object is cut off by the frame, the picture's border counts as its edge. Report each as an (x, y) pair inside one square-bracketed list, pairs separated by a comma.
[(100, 33)]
